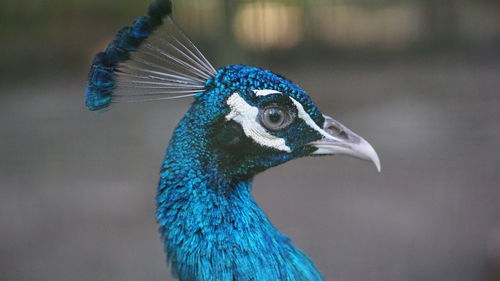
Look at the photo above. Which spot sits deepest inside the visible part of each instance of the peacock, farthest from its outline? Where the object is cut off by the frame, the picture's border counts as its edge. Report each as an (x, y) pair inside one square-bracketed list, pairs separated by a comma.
[(243, 120)]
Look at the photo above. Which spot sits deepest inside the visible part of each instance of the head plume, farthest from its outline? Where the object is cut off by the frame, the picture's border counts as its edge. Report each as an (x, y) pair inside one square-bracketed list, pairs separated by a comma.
[(150, 60)]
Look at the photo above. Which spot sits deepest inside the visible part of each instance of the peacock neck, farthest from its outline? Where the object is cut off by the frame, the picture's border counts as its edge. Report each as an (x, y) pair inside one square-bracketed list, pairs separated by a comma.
[(211, 226)]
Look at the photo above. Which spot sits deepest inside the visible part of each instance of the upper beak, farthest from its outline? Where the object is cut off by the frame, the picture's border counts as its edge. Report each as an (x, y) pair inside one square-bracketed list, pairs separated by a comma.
[(338, 139)]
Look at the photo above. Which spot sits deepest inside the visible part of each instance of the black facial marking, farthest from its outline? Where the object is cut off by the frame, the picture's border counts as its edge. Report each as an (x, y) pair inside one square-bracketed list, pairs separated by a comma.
[(228, 134)]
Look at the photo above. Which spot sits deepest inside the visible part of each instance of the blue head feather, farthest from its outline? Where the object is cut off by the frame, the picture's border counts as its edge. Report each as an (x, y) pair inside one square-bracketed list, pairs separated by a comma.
[(102, 74), (241, 78)]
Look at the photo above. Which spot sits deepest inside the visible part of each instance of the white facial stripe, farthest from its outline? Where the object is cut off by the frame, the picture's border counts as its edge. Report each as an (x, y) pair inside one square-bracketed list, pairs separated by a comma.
[(265, 92), (304, 116), (246, 116)]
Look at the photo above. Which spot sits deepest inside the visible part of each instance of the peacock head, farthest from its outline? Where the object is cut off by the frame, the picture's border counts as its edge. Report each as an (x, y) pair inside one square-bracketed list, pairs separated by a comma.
[(256, 119), (247, 119)]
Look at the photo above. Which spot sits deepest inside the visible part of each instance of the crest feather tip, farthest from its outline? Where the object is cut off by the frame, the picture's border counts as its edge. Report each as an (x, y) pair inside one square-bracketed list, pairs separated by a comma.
[(159, 9)]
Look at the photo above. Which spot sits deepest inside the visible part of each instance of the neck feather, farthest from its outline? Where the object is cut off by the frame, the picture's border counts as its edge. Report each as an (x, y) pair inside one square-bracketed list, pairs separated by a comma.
[(211, 226)]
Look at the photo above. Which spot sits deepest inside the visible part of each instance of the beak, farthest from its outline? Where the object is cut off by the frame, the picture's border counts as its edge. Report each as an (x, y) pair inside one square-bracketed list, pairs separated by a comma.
[(338, 139)]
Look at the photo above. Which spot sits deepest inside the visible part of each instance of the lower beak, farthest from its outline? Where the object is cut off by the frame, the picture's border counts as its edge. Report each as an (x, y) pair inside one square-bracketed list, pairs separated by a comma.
[(338, 139)]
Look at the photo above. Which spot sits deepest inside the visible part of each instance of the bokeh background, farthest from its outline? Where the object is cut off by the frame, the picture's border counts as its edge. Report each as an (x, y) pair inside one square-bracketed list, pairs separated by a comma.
[(419, 79)]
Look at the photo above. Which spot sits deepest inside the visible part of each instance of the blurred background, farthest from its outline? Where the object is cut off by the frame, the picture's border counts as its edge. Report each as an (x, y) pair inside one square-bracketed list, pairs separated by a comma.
[(419, 79)]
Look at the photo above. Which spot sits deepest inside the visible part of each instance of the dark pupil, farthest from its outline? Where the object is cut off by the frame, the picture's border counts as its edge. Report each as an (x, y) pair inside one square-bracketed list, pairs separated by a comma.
[(275, 116)]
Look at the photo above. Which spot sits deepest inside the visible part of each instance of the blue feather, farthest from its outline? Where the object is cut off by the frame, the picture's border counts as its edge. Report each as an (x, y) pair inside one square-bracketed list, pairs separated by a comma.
[(158, 10), (101, 83), (102, 72)]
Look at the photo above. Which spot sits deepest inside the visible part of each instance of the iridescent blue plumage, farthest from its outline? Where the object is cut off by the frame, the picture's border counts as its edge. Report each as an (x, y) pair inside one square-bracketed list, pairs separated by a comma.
[(243, 121), (212, 227), (104, 68)]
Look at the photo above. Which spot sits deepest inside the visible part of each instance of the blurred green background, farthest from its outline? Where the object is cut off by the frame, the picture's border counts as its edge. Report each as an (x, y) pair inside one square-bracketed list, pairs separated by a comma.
[(49, 35), (419, 79)]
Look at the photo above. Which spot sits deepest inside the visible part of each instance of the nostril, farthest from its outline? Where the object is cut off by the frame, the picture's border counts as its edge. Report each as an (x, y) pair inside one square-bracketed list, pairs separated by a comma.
[(338, 132), (343, 135)]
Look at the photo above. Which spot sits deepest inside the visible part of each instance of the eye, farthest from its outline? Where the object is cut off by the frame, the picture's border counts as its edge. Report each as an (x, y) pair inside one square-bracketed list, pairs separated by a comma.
[(275, 118)]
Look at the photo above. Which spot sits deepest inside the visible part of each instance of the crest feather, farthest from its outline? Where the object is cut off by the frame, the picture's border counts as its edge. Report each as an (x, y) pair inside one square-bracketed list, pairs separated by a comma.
[(148, 61)]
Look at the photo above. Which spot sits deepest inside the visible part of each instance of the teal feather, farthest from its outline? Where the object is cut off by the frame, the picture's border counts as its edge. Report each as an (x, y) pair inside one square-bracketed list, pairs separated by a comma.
[(102, 76)]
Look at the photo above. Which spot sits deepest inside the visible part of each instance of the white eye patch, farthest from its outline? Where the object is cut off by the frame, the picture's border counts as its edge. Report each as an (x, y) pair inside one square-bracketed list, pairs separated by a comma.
[(302, 113), (308, 120), (246, 116), (265, 92)]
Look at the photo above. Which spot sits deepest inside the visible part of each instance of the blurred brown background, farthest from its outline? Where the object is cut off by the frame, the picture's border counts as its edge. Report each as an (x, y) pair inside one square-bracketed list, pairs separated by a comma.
[(419, 79)]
